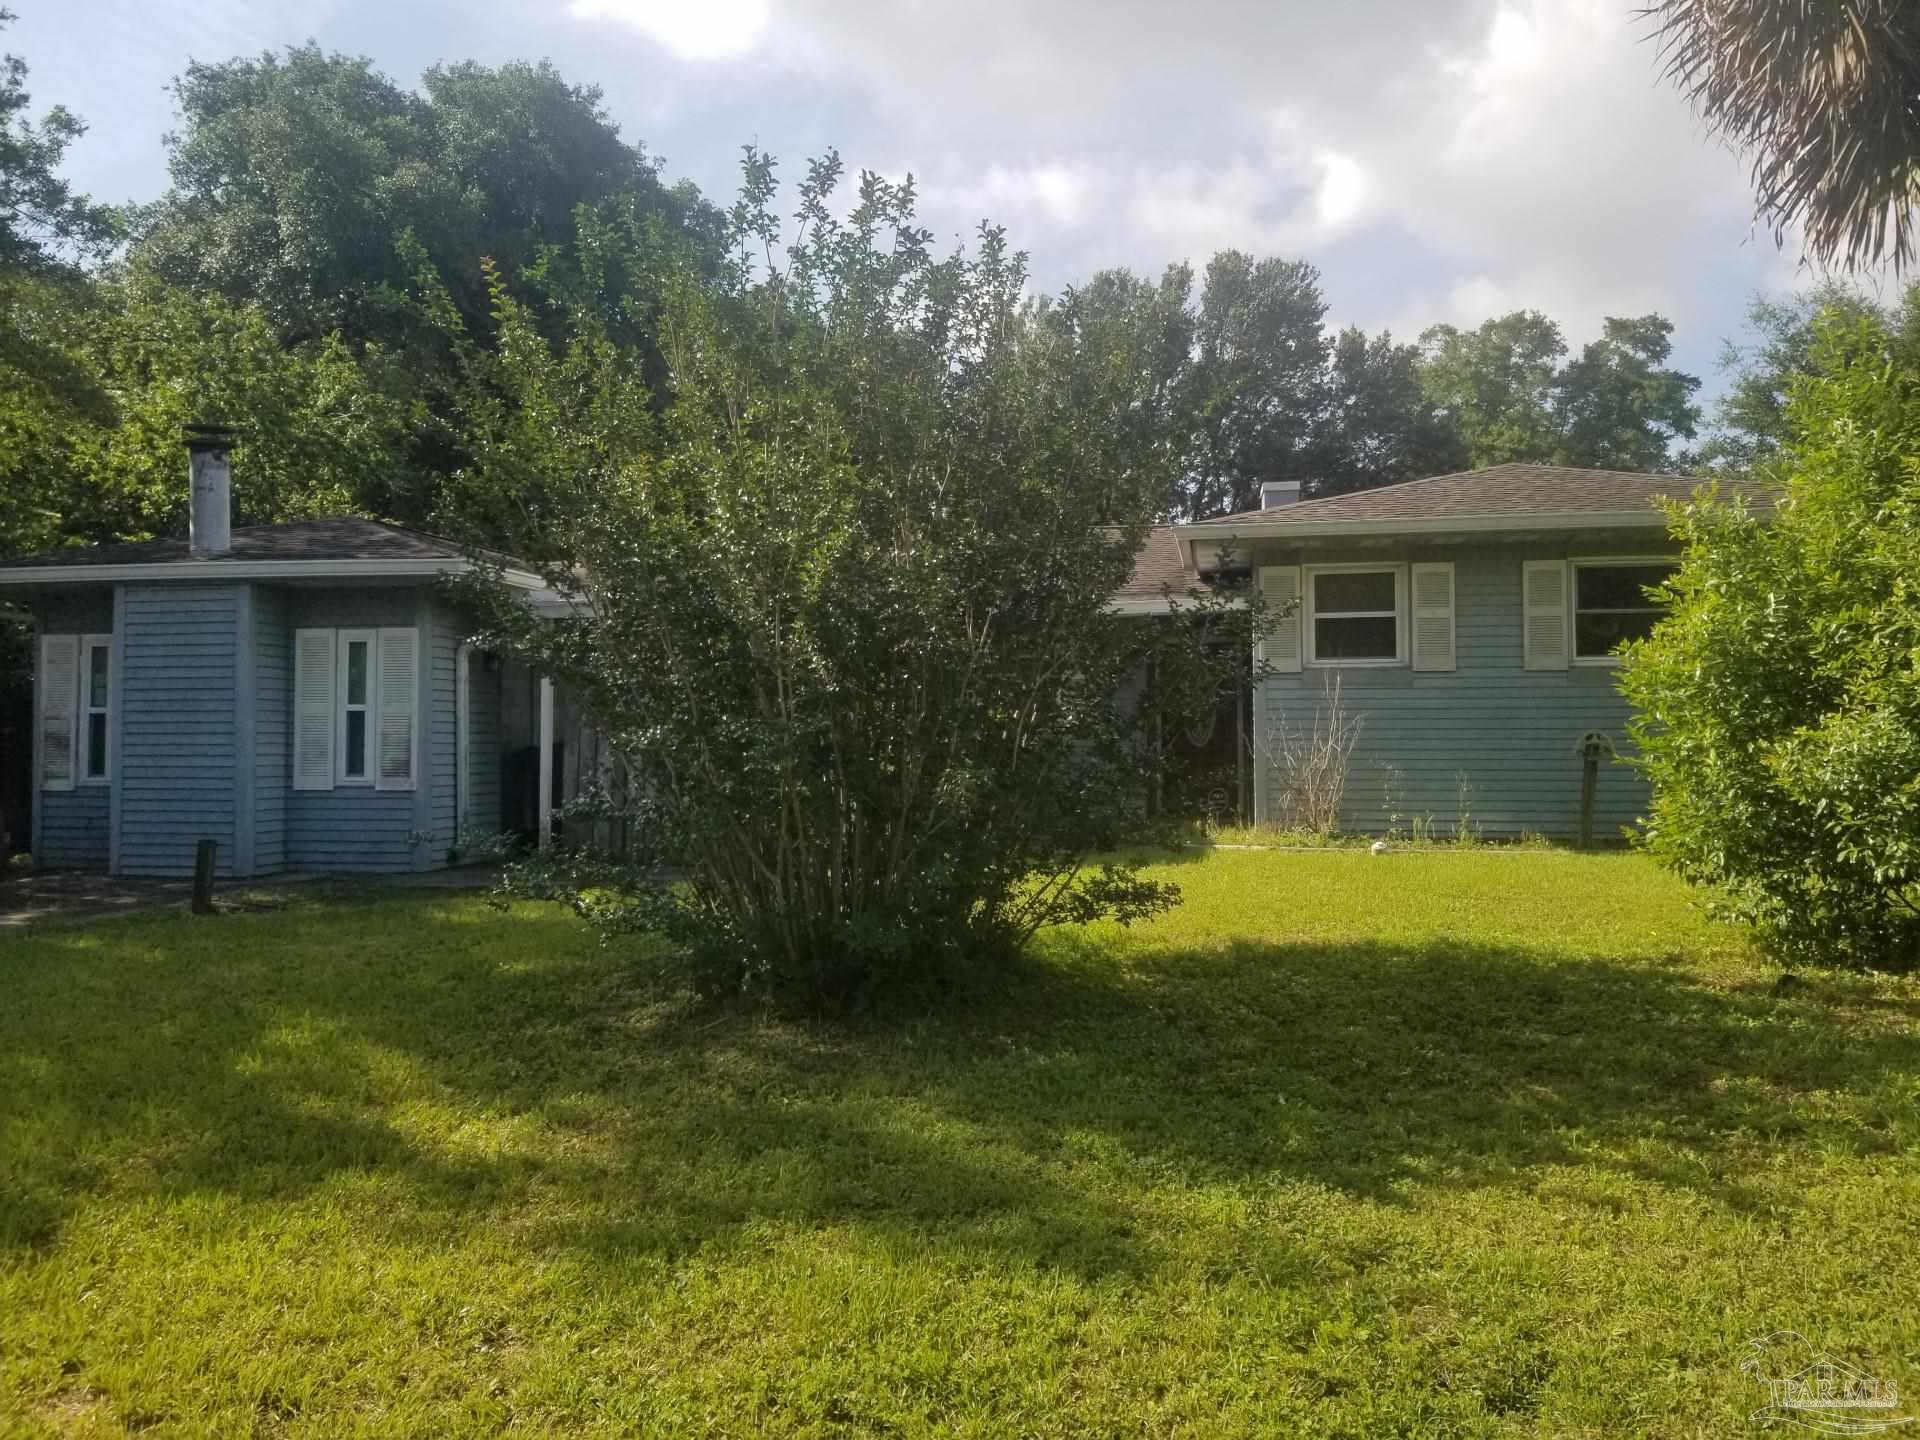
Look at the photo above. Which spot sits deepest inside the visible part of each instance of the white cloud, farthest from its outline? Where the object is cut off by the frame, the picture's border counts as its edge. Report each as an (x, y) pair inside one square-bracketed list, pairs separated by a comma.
[(691, 29)]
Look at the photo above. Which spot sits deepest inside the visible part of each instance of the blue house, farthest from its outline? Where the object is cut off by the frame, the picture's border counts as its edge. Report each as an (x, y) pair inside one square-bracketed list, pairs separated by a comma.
[(299, 693), (1465, 626)]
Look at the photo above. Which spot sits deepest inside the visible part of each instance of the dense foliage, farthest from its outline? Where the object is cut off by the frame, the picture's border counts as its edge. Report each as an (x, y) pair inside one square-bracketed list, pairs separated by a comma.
[(1780, 702), (845, 596)]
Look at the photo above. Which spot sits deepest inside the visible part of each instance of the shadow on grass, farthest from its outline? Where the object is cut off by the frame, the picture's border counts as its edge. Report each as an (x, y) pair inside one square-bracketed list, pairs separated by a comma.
[(1034, 1124)]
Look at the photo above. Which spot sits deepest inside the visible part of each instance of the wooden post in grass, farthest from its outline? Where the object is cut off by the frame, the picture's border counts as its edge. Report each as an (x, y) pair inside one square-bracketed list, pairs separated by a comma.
[(203, 876), (1590, 748)]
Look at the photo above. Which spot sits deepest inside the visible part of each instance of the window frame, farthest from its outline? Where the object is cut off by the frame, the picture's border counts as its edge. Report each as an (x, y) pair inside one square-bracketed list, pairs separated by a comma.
[(344, 641), (1577, 563), (85, 710), (1310, 651)]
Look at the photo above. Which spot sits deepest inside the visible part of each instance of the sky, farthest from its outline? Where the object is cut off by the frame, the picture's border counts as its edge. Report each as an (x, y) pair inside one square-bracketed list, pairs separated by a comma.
[(1438, 160)]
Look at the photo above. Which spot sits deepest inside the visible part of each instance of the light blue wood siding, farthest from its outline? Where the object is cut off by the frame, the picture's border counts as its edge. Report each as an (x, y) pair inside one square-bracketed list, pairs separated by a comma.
[(441, 729), (75, 827), (273, 712), (353, 828), (483, 753), (1490, 735), (178, 736)]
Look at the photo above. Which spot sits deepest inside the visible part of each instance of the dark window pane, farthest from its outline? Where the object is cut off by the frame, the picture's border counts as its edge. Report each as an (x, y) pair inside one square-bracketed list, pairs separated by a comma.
[(1618, 587), (356, 672), (1369, 639), (97, 680), (1361, 590), (96, 746), (356, 743), (1601, 634)]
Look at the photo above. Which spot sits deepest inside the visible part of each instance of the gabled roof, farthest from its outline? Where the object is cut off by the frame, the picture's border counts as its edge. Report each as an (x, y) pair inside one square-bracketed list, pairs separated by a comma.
[(1506, 497), (344, 547), (1159, 568)]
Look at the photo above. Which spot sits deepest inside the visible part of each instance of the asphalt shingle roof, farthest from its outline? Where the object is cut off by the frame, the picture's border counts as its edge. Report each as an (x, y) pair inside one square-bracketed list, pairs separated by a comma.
[(1158, 564), (347, 538), (1499, 490)]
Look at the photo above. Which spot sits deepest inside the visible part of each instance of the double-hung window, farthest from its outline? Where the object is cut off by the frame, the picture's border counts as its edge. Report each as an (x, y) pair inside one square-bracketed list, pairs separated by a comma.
[(76, 710), (1355, 614), (355, 680), (355, 703), (96, 702), (1611, 605)]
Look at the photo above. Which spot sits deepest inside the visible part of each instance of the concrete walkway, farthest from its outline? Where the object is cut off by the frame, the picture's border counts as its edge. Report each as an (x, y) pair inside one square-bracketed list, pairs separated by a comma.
[(66, 896)]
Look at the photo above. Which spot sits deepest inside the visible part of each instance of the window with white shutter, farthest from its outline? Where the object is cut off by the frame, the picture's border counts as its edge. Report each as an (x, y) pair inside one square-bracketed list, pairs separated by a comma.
[(1543, 585), (1280, 647), (398, 693), (1433, 629), (313, 713), (96, 705), (354, 685), (59, 709)]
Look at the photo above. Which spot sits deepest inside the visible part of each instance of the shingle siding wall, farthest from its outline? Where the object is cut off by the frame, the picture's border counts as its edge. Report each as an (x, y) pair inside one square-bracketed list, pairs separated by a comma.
[(1490, 733), (176, 713), (273, 711)]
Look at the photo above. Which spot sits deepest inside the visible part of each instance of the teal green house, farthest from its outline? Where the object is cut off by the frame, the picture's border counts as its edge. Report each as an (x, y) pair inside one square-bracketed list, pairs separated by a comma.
[(1463, 628), (301, 694)]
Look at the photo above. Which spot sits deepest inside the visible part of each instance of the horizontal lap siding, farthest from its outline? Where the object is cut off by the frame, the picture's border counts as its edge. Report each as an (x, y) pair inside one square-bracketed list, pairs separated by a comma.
[(176, 713), (441, 729), (75, 827), (273, 711), (483, 745), (1504, 733), (353, 827)]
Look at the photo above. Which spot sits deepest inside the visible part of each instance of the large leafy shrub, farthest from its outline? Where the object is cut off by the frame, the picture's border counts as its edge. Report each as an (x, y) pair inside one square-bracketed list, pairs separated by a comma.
[(843, 591), (1780, 701)]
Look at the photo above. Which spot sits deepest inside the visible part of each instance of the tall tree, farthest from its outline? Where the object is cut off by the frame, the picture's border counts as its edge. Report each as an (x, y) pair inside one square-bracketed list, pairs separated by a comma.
[(294, 176), (1496, 385), (1751, 422), (1257, 379), (1377, 424), (1618, 406), (43, 222), (1822, 97)]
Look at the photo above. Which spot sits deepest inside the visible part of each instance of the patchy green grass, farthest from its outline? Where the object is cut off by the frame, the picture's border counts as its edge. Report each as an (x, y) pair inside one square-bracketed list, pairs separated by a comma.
[(1427, 1144)]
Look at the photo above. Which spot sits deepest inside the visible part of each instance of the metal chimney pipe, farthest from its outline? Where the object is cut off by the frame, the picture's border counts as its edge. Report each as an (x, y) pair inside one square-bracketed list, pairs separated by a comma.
[(210, 514)]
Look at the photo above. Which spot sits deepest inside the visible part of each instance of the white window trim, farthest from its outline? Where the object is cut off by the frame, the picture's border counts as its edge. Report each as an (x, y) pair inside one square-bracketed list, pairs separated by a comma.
[(1311, 615), (85, 709), (1577, 563), (343, 641)]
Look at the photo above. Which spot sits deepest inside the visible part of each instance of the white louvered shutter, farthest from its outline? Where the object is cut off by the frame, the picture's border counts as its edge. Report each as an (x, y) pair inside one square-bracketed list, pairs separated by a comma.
[(1433, 629), (313, 709), (59, 709), (1280, 647), (399, 653), (1544, 587)]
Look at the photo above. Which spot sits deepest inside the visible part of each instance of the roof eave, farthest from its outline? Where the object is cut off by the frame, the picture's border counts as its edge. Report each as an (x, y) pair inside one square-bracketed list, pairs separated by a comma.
[(73, 573), (1648, 519)]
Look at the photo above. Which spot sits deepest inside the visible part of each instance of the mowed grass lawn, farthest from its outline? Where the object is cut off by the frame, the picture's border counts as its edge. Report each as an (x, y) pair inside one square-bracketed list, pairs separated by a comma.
[(1424, 1144)]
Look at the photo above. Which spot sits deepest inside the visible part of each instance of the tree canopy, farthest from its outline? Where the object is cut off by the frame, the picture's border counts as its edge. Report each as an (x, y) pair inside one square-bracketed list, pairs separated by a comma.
[(1822, 98)]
